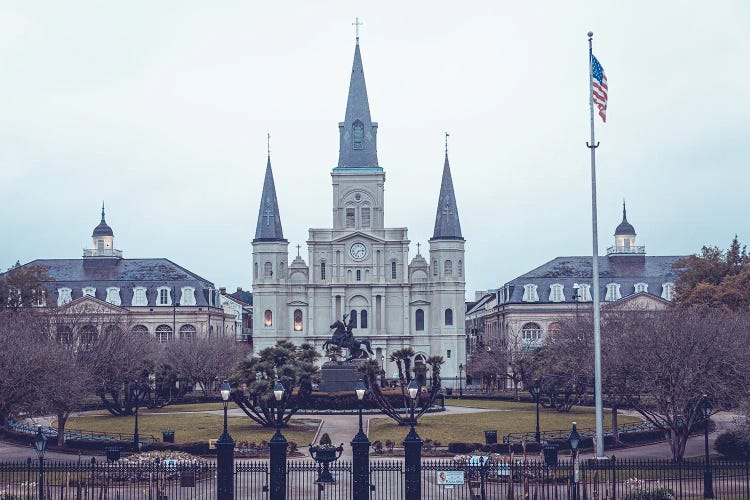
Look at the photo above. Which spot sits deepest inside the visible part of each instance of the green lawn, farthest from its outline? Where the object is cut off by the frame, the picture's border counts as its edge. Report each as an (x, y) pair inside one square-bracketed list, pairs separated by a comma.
[(470, 427), (191, 427)]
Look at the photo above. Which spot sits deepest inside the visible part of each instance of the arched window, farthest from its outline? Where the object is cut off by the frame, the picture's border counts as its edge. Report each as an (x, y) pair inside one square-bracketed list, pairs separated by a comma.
[(323, 270), (353, 318), (434, 268), (531, 334), (363, 318), (268, 318), (297, 320), (448, 268), (393, 270), (88, 336), (358, 132), (140, 330), (164, 334), (267, 270), (449, 317), (282, 273), (255, 270), (364, 216), (187, 332), (65, 335), (554, 328), (359, 275), (419, 320), (460, 268)]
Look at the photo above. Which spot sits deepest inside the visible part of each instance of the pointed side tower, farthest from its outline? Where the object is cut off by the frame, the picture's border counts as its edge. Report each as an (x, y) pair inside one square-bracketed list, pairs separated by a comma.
[(447, 276), (270, 270), (358, 180)]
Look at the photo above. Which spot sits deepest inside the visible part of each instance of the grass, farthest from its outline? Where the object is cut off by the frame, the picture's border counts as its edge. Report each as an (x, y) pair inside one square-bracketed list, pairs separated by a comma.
[(470, 427), (196, 427)]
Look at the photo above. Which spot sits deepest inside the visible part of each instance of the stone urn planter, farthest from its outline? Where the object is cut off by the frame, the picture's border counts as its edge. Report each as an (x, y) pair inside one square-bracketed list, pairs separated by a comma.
[(324, 453)]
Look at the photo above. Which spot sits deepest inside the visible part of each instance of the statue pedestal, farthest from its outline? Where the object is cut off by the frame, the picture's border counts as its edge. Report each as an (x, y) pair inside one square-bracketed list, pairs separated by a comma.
[(339, 376)]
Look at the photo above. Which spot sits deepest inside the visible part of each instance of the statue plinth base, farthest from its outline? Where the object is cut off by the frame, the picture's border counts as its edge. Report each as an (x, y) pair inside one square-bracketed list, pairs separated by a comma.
[(339, 376)]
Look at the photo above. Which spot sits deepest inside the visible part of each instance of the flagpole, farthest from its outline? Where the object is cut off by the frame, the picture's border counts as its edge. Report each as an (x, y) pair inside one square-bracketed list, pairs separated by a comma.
[(595, 270)]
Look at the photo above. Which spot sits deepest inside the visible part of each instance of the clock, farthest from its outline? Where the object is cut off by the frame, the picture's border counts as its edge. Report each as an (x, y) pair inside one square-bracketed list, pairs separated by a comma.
[(358, 251)]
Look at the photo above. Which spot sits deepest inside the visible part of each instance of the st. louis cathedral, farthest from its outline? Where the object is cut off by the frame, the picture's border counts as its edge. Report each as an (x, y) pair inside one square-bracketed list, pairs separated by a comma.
[(360, 267)]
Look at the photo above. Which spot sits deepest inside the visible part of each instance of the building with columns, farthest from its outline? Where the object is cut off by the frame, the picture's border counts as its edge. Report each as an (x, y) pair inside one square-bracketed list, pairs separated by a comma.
[(358, 266)]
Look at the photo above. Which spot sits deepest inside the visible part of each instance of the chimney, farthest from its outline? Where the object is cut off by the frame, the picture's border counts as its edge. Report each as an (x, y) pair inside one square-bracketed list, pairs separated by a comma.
[(223, 290), (239, 291)]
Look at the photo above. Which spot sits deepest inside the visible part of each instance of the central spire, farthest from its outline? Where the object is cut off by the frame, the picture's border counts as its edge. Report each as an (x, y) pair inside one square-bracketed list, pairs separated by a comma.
[(357, 133)]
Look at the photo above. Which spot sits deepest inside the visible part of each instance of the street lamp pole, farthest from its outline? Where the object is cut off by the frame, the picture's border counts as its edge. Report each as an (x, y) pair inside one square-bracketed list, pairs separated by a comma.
[(278, 444), (708, 486), (40, 443), (360, 451), (536, 391), (574, 438), (225, 452), (137, 396), (460, 380), (413, 450)]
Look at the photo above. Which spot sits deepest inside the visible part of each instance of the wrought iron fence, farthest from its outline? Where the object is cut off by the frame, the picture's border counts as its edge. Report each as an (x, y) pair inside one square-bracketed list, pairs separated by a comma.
[(474, 478)]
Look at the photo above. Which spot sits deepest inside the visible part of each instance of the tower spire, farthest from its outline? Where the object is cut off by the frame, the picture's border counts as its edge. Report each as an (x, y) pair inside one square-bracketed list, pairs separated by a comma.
[(102, 210), (268, 227), (357, 133), (447, 225)]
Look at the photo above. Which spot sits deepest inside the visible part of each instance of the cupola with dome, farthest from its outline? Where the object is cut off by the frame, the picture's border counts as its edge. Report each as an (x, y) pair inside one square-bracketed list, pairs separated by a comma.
[(103, 239), (625, 238)]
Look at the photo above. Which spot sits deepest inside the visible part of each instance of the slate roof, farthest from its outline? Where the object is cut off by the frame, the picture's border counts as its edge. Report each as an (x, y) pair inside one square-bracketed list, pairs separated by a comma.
[(447, 225), (125, 274), (245, 296), (357, 109), (268, 227), (653, 270)]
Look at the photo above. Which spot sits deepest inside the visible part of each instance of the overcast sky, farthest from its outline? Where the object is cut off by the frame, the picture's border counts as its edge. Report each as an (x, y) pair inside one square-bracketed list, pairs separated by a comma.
[(161, 109)]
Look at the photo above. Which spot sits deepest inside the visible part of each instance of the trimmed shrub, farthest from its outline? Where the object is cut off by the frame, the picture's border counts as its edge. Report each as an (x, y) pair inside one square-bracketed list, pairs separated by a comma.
[(732, 444)]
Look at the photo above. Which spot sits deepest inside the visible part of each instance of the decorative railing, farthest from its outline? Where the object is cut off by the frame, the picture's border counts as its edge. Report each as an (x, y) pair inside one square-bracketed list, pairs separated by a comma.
[(618, 249)]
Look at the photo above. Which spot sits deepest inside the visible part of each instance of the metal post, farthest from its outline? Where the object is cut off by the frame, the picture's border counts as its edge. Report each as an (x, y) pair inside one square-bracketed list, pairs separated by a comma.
[(41, 478), (136, 440), (413, 461), (708, 485), (225, 463), (537, 434), (575, 475), (595, 270), (360, 462), (278, 445)]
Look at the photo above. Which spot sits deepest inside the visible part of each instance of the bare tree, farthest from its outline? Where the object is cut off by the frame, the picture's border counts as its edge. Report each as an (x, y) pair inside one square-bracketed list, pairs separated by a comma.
[(489, 363), (204, 360)]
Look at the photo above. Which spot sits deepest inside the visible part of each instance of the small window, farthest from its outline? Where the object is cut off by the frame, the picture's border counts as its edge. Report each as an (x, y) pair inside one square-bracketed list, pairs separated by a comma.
[(449, 317), (353, 318), (358, 132), (449, 354), (448, 268), (323, 271), (359, 275), (164, 334), (419, 320), (268, 318), (556, 293), (393, 270), (350, 217), (363, 318), (613, 292), (165, 298), (365, 216), (113, 295), (267, 270), (90, 291), (530, 293), (460, 268), (64, 295), (139, 296), (641, 287), (434, 268), (187, 332), (187, 296), (297, 320), (667, 291), (255, 270)]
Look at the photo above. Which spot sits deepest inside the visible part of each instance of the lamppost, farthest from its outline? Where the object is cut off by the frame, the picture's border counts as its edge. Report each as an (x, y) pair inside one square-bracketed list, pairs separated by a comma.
[(708, 486), (382, 370), (574, 439), (278, 445), (225, 452), (536, 391), (137, 396), (361, 451), (460, 380), (413, 449), (40, 443)]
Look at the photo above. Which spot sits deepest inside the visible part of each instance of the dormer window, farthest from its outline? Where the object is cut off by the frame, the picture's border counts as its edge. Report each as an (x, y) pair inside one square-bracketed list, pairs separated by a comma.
[(556, 293), (641, 287), (113, 295), (64, 296), (530, 293), (139, 296), (187, 296), (613, 292), (583, 292), (358, 133), (163, 297), (90, 291), (667, 291)]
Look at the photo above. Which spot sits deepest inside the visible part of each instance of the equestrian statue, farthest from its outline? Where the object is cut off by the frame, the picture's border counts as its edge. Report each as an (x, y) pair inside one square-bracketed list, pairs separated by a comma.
[(343, 338)]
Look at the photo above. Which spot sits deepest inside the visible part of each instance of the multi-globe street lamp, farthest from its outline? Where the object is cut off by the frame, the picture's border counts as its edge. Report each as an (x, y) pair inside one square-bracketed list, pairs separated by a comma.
[(40, 443), (536, 391), (360, 451), (225, 452), (137, 391), (413, 448), (708, 486), (574, 438), (278, 445)]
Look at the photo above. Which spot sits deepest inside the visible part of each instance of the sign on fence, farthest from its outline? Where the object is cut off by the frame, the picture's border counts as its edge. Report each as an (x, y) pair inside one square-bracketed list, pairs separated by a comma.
[(212, 444), (187, 479), (450, 477)]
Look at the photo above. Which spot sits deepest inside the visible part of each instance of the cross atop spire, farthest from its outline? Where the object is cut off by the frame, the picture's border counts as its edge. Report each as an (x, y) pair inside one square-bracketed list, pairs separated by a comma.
[(447, 225), (102, 210), (357, 23), (268, 143), (268, 227), (446, 144)]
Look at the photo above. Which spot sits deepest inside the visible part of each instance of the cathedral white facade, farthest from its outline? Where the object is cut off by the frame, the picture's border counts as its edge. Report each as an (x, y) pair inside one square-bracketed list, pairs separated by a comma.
[(360, 267)]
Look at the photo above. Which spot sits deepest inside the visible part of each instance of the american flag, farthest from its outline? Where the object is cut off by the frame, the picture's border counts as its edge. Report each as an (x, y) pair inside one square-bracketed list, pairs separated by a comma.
[(599, 87)]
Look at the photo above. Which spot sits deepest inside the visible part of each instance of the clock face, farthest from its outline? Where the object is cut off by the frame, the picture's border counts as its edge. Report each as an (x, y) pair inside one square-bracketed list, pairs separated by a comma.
[(358, 251)]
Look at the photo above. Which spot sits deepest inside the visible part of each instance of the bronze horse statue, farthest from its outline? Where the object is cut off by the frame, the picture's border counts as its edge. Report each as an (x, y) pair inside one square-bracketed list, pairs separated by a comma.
[(343, 338)]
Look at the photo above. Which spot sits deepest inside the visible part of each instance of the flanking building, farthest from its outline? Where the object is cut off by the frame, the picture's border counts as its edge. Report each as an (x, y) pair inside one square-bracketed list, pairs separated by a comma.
[(526, 309), (159, 297)]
